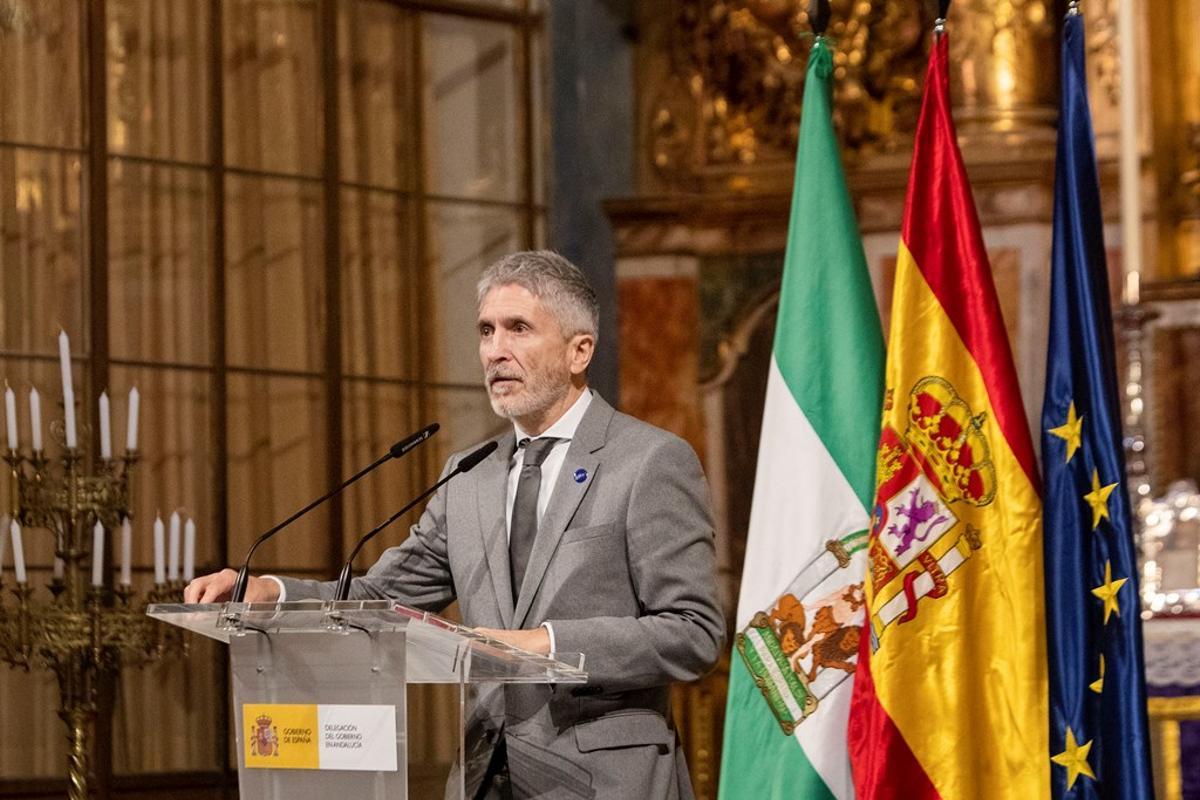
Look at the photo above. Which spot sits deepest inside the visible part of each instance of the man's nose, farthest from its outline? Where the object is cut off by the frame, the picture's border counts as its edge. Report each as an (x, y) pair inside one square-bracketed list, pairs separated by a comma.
[(495, 348)]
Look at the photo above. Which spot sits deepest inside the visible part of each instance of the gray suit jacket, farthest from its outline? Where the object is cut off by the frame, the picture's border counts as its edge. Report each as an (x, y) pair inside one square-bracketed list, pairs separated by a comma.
[(623, 568)]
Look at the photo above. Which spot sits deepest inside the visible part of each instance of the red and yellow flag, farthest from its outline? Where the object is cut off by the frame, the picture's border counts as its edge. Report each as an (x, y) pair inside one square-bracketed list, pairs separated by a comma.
[(950, 694)]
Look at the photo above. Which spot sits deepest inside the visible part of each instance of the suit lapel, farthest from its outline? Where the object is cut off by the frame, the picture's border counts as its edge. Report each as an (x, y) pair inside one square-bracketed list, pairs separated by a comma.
[(564, 501), (492, 488)]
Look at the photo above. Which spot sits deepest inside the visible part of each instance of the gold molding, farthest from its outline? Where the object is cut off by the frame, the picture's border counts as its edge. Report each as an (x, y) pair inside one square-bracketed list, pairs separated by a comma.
[(1169, 712), (1174, 708), (1172, 762)]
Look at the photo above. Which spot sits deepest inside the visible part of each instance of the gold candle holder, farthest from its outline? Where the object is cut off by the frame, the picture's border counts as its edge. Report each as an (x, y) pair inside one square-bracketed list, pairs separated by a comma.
[(81, 632)]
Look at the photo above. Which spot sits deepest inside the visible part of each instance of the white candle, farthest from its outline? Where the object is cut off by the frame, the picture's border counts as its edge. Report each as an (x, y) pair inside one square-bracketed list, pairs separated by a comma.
[(189, 550), (60, 567), (131, 428), (126, 552), (105, 428), (10, 412), (173, 549), (35, 418), (3, 542), (1130, 163), (97, 554), (64, 363), (160, 571), (14, 528)]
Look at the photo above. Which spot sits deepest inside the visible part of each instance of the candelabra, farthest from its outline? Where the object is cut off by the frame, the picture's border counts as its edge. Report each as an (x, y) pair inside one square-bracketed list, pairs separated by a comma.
[(1131, 322), (83, 631), (1165, 526)]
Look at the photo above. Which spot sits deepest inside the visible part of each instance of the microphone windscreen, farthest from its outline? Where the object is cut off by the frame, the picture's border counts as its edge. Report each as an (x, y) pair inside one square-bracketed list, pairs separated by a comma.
[(409, 442), (471, 460)]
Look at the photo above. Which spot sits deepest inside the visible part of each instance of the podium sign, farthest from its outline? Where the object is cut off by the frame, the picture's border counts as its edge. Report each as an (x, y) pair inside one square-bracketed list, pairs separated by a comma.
[(319, 689)]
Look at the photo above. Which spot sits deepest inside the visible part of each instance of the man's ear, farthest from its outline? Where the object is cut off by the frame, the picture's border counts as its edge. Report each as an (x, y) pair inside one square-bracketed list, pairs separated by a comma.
[(582, 348)]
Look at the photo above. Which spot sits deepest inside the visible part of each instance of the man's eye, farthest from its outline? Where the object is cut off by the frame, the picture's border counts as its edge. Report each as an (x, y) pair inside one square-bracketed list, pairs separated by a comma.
[(520, 327), (485, 330)]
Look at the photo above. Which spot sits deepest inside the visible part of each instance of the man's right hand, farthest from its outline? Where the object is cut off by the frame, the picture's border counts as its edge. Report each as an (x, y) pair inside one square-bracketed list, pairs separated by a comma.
[(217, 588)]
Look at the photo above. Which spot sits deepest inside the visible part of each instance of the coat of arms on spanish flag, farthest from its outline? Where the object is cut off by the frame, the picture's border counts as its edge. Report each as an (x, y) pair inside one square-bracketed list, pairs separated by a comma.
[(950, 693)]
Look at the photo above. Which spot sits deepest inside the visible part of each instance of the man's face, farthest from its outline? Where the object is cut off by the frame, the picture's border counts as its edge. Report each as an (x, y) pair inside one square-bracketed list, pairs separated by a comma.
[(525, 355)]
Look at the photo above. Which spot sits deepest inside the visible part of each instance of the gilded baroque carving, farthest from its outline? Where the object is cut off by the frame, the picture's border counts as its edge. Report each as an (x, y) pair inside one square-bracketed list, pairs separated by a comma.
[(729, 109), (737, 78)]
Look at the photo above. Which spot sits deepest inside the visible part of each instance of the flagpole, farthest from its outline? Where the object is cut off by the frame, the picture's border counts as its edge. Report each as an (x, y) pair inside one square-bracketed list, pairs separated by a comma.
[(1131, 197)]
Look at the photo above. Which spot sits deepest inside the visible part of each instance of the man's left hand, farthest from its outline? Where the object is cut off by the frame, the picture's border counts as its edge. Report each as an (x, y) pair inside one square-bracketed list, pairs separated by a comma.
[(536, 640)]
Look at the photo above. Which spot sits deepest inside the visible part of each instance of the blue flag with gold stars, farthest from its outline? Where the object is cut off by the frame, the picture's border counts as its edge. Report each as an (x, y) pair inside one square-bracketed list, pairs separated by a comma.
[(1099, 740)]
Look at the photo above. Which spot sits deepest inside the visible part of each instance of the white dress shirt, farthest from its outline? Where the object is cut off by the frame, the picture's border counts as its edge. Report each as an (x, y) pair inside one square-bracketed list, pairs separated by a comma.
[(564, 431)]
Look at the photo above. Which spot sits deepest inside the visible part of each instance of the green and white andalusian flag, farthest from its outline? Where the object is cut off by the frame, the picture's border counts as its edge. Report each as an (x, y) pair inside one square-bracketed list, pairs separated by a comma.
[(801, 603)]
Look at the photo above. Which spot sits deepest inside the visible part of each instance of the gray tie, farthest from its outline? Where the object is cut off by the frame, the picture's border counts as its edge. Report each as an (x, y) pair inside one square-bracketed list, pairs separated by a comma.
[(525, 509)]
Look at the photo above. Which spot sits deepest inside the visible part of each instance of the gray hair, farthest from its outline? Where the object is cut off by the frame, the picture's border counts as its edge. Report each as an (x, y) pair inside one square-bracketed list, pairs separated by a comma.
[(552, 279)]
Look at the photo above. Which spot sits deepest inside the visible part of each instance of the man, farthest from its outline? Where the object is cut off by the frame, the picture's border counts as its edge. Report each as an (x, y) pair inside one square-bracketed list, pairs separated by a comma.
[(586, 531)]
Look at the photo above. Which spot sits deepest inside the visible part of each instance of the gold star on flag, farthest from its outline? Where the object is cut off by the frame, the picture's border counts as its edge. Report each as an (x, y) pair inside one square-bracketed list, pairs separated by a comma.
[(1074, 758), (1097, 498), (1107, 591), (1070, 431), (1097, 685)]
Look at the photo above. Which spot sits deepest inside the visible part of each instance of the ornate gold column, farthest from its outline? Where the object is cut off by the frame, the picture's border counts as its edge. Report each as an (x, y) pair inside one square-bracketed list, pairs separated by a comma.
[(1004, 56), (1175, 96)]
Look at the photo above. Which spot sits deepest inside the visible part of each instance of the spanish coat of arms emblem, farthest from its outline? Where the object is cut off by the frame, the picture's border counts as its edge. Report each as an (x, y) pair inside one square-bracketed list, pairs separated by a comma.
[(917, 540), (264, 741)]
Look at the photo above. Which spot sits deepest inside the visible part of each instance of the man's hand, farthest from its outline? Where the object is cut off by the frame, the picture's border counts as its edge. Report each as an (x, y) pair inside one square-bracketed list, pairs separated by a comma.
[(217, 588), (536, 640)]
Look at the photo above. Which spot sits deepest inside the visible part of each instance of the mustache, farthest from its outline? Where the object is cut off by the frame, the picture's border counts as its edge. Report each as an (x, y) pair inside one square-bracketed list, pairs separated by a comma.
[(494, 375)]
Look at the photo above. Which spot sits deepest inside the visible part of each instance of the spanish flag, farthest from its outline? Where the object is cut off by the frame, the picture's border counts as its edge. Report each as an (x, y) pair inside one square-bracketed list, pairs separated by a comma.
[(950, 696)]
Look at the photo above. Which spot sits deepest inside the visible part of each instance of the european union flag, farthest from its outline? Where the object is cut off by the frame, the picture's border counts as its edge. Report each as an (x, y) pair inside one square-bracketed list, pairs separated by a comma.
[(1099, 739)]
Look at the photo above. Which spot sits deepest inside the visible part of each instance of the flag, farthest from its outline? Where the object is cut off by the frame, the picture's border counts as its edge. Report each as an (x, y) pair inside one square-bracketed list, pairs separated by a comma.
[(801, 608), (1099, 741), (950, 693)]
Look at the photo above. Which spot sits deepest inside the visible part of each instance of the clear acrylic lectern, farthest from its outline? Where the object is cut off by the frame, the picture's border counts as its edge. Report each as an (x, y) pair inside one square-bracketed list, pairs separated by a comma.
[(319, 693)]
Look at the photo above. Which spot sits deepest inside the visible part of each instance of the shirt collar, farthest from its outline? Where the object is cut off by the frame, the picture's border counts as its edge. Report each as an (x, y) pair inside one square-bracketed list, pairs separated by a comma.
[(565, 426)]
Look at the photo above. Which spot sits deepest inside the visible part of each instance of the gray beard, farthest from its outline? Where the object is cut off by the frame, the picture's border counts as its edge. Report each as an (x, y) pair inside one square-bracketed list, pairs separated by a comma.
[(538, 396)]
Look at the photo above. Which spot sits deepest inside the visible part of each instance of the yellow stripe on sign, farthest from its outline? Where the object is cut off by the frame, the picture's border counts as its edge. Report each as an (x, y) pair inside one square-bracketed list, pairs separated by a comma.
[(965, 678), (280, 736)]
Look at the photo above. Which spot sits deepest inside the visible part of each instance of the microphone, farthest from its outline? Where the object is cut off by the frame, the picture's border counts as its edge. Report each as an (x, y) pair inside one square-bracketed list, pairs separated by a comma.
[(465, 464), (397, 450)]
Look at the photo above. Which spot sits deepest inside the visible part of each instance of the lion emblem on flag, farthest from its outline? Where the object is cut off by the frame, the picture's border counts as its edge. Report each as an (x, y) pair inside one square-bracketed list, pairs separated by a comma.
[(805, 645)]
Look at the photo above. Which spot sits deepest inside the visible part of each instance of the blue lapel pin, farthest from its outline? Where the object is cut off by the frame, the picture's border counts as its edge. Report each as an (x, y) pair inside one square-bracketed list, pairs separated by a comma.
[(580, 475)]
